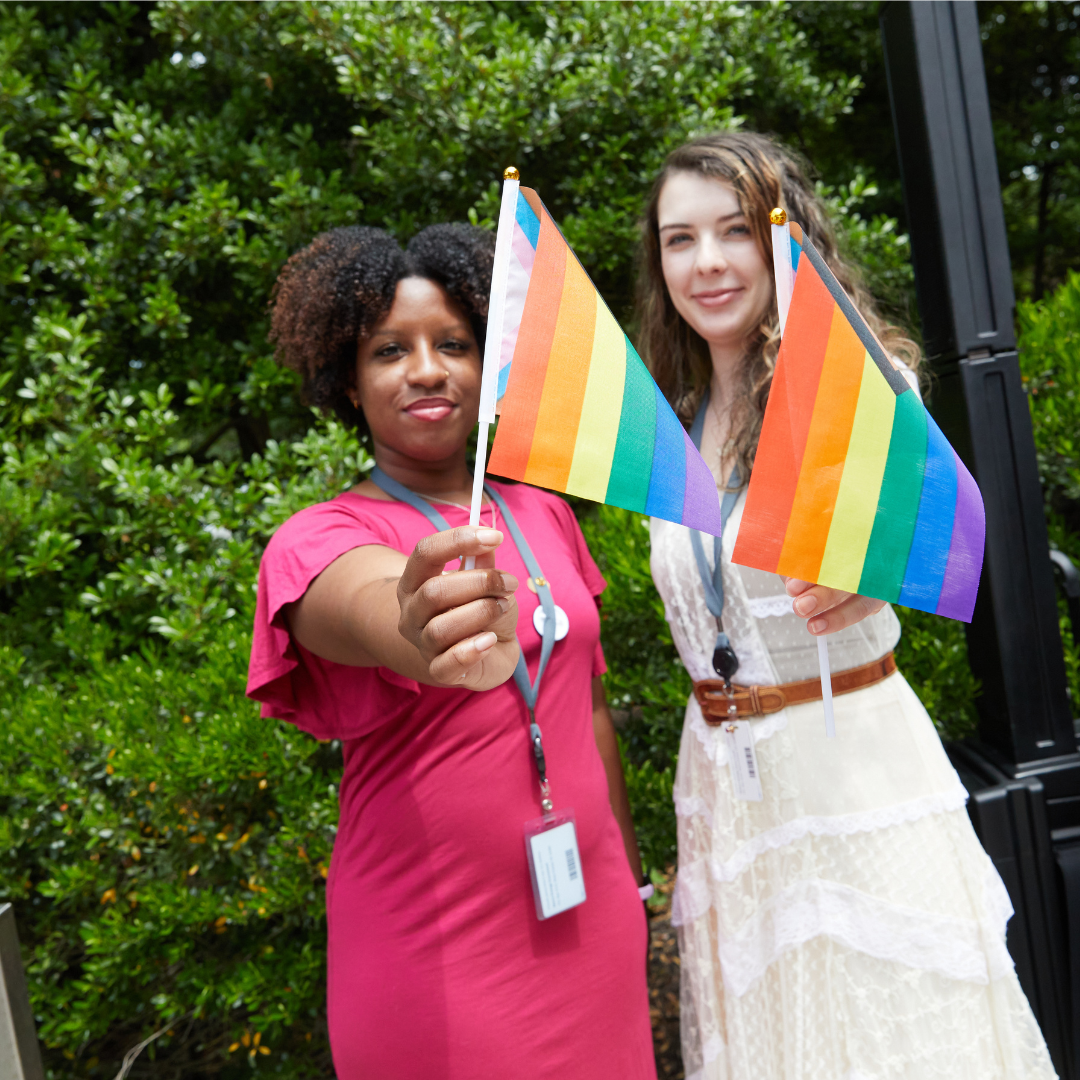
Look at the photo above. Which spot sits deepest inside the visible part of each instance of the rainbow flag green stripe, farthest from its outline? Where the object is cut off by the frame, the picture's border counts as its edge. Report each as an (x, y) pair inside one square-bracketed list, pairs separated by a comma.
[(898, 504), (628, 485)]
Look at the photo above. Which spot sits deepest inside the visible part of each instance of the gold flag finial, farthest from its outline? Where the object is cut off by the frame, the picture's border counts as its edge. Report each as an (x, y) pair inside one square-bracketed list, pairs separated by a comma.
[(778, 216), (510, 173)]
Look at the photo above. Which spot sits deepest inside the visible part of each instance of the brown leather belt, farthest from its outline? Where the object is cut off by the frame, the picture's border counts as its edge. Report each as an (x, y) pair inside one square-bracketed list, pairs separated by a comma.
[(761, 700)]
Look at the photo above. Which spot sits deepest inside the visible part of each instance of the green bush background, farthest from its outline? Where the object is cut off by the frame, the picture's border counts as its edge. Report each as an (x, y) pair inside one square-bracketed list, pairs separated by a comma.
[(165, 849)]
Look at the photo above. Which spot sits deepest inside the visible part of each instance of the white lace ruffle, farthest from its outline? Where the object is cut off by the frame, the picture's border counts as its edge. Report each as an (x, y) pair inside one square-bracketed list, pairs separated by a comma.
[(841, 825), (956, 948), (826, 1013), (765, 607), (687, 806), (715, 1046), (692, 896)]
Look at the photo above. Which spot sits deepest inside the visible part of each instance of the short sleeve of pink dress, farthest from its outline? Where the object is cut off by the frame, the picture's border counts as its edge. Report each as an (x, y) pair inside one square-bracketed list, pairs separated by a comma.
[(327, 700), (438, 965)]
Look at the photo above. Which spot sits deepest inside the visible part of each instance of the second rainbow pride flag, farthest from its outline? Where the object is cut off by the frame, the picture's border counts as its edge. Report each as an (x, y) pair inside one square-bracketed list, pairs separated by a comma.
[(579, 411), (854, 486)]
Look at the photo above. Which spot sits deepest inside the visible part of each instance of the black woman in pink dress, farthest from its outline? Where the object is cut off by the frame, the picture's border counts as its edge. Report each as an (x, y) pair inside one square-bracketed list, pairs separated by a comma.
[(367, 632)]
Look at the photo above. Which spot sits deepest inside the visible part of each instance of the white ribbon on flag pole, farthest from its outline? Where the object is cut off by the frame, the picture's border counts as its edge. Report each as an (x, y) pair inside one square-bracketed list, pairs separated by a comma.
[(785, 277), (785, 286), (489, 381)]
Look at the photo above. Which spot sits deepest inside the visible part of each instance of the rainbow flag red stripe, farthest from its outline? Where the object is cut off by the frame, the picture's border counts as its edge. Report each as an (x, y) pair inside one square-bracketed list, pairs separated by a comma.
[(578, 410), (854, 486)]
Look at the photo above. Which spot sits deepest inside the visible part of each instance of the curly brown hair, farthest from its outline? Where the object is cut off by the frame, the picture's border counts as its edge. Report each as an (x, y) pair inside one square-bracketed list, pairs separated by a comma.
[(764, 174), (332, 294)]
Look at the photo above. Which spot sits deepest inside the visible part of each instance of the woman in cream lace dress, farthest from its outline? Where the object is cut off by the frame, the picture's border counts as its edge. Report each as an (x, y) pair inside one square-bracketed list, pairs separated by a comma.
[(847, 926)]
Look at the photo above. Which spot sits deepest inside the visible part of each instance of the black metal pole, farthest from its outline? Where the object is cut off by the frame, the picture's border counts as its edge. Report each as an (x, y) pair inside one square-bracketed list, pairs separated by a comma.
[(1023, 770), (941, 112)]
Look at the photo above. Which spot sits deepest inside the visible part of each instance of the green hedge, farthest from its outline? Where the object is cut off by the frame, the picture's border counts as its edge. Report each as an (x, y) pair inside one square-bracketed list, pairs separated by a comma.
[(1050, 362), (163, 847)]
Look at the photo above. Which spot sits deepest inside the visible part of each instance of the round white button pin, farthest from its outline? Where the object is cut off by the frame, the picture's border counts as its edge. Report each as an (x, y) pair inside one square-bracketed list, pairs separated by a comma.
[(562, 622)]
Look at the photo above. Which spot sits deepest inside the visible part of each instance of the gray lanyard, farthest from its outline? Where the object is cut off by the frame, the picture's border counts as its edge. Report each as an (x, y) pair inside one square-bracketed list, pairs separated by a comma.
[(529, 691), (725, 662)]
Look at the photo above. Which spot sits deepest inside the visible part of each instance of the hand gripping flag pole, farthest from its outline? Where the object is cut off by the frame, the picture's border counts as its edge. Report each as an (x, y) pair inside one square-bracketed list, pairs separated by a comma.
[(785, 260)]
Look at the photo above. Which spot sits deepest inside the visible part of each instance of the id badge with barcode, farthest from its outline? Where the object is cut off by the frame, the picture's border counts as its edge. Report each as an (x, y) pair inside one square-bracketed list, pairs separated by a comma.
[(742, 758), (554, 863)]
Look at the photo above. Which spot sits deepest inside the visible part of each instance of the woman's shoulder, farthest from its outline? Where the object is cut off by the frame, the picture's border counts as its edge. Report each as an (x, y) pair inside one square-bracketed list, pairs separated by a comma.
[(349, 512)]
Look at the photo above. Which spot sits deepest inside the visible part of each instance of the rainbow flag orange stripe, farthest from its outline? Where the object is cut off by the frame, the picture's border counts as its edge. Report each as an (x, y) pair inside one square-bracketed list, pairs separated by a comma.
[(578, 410), (854, 486)]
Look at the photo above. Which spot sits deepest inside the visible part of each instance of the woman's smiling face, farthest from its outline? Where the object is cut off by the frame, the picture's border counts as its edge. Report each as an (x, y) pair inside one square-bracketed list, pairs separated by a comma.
[(418, 375), (715, 273)]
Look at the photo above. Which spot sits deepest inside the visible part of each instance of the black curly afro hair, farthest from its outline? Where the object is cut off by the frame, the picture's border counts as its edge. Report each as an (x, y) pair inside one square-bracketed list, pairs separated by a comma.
[(332, 293)]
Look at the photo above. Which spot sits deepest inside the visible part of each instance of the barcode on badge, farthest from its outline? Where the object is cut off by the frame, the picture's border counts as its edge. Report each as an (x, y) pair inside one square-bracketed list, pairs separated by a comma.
[(571, 863), (749, 754)]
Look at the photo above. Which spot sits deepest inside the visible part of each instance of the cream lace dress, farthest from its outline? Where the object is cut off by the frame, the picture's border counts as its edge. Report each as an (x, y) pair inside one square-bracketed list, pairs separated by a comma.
[(849, 926)]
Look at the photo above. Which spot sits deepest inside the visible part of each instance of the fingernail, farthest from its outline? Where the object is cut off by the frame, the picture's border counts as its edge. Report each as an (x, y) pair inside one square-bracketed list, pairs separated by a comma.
[(504, 604), (509, 582), (489, 537), (817, 626), (805, 605), (485, 641)]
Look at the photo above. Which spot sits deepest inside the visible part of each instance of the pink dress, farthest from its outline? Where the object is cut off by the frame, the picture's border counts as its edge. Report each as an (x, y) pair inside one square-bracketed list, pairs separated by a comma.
[(438, 966)]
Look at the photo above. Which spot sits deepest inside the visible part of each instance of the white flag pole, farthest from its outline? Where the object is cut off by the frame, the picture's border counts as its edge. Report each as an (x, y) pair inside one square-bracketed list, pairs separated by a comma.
[(785, 286), (489, 381), (826, 685), (781, 253)]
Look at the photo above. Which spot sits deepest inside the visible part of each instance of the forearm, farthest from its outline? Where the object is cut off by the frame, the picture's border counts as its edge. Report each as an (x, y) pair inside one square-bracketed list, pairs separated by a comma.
[(608, 745), (350, 614), (372, 607)]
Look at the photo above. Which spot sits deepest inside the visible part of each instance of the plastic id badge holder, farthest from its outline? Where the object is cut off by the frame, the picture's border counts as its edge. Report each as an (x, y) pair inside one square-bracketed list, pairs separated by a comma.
[(745, 777), (554, 863)]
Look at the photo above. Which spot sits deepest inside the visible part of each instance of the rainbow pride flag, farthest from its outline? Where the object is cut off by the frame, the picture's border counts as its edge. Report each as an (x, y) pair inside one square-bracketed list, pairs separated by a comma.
[(578, 410), (854, 486)]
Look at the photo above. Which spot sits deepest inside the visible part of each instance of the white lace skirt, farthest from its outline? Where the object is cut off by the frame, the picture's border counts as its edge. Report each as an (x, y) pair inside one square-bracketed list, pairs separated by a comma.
[(850, 924)]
